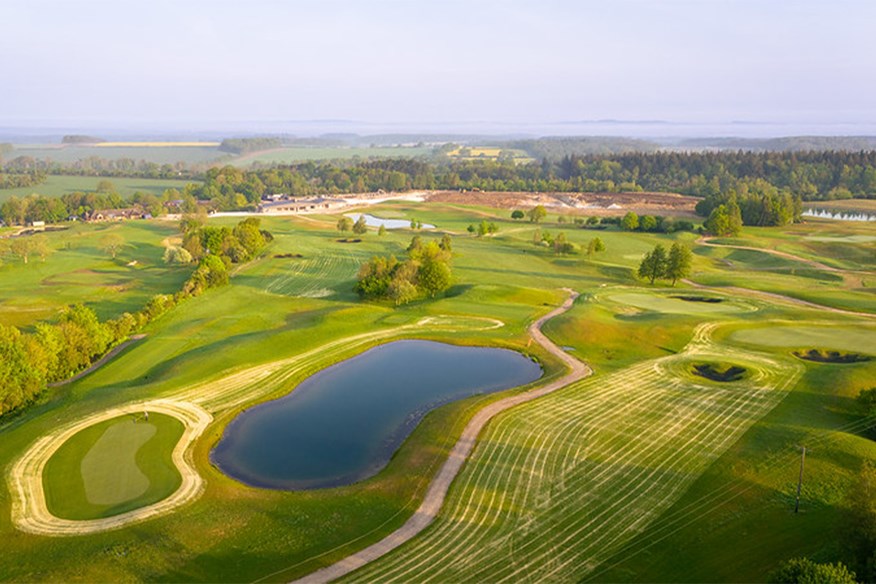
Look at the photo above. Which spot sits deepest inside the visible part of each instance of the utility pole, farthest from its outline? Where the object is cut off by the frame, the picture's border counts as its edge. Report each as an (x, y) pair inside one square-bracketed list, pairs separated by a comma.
[(800, 481)]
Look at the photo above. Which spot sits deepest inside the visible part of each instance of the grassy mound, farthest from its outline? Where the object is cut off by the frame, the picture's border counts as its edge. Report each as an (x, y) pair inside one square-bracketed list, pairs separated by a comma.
[(722, 372), (829, 356), (113, 467)]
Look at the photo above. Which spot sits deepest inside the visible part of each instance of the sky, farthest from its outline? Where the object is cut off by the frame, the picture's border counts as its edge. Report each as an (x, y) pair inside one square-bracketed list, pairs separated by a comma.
[(505, 63)]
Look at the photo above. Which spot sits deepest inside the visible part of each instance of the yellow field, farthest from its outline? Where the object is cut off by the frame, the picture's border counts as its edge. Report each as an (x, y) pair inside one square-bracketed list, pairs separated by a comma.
[(478, 151), (154, 144)]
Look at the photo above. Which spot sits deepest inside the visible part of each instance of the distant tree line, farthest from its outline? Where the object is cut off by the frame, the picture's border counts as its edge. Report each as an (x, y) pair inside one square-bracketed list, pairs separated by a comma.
[(424, 273), (22, 179), (54, 352), (96, 166), (245, 145)]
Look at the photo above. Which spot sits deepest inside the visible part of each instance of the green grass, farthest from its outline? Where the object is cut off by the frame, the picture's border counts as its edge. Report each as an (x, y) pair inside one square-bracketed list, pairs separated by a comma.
[(861, 339), (672, 305), (112, 467), (158, 155), (78, 270), (605, 461), (58, 185)]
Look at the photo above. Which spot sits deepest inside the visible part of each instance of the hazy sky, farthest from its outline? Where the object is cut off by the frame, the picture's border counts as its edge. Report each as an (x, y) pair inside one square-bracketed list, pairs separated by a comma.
[(77, 61)]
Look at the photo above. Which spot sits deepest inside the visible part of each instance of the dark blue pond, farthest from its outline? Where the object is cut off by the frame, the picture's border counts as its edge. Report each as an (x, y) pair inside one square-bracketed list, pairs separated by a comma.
[(343, 424)]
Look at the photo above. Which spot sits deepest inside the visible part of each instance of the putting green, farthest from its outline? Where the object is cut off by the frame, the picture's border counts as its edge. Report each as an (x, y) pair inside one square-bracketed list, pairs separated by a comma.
[(671, 305), (858, 339), (109, 470), (112, 467)]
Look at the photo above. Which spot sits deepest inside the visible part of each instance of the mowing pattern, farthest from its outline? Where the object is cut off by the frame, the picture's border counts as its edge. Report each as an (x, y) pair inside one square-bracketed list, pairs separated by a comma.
[(557, 485), (312, 277)]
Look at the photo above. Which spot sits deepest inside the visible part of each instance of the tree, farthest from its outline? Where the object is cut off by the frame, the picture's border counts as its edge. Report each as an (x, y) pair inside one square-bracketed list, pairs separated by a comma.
[(112, 243), (653, 265), (537, 213), (805, 571), (345, 224), (858, 535), (22, 247), (648, 223), (561, 245), (471, 229), (724, 220), (536, 236), (517, 214), (679, 262), (381, 231), (630, 222), (446, 243), (360, 226), (595, 245), (177, 255)]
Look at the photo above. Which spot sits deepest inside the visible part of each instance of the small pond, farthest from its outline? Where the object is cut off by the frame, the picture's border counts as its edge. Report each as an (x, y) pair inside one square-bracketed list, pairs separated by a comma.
[(372, 221), (344, 423), (839, 215)]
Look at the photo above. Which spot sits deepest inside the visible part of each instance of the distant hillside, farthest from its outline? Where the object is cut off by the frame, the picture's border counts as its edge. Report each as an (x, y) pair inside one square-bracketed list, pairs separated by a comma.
[(80, 139), (786, 144)]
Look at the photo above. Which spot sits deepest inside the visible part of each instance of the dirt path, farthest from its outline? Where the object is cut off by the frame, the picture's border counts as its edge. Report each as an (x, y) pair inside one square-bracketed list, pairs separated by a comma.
[(29, 510), (434, 498), (100, 362)]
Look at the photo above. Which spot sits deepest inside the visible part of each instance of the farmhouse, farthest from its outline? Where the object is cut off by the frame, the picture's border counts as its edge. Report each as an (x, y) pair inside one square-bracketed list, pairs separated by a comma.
[(300, 205), (114, 214)]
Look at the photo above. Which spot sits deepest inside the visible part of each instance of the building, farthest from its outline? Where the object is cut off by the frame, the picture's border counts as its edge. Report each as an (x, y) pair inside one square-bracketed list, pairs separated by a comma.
[(300, 205)]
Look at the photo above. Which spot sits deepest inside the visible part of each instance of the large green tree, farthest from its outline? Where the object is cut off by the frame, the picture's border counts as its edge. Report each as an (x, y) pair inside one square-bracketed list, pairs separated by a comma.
[(654, 264), (678, 263)]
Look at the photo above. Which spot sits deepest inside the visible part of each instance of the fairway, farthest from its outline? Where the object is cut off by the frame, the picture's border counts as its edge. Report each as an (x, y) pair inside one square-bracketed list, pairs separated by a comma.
[(113, 466), (860, 339), (670, 305), (58, 185)]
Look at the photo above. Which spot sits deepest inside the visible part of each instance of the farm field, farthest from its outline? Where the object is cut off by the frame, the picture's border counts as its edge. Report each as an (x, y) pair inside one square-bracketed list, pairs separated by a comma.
[(157, 152), (57, 185), (603, 479)]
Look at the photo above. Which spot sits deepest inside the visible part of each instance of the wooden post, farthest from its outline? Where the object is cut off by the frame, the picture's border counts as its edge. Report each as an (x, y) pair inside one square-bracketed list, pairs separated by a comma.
[(800, 480)]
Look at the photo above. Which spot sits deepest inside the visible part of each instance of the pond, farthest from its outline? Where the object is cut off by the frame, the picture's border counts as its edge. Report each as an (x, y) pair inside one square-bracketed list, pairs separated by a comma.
[(839, 215), (344, 423), (372, 221)]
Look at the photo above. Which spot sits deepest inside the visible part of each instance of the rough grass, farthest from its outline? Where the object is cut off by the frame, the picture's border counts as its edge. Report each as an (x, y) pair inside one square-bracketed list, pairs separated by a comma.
[(113, 467)]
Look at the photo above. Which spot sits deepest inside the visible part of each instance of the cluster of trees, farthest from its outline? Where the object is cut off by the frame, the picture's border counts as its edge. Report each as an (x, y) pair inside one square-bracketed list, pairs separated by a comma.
[(759, 203), (96, 166), (654, 223), (54, 352), (483, 228), (424, 273), (22, 179), (673, 266), (805, 571), (21, 211), (245, 145)]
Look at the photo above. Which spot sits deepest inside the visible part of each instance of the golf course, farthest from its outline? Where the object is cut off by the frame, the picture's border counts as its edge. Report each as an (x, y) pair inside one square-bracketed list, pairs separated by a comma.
[(575, 422)]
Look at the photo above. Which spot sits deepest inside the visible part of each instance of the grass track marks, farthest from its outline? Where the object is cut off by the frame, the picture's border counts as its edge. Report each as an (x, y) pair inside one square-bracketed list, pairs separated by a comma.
[(602, 459)]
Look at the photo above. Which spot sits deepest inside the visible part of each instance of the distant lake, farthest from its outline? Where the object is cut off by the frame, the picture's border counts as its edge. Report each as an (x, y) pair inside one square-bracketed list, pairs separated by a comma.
[(372, 221), (344, 423), (839, 215)]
